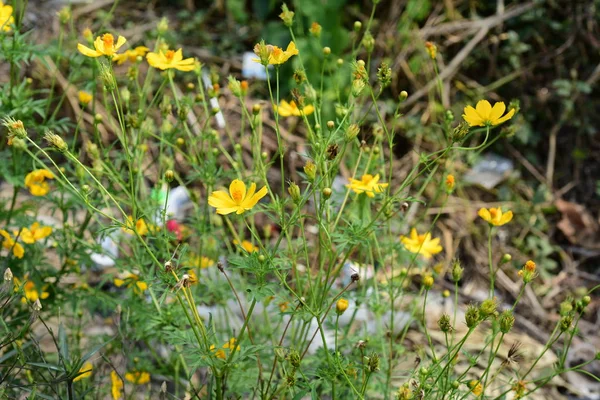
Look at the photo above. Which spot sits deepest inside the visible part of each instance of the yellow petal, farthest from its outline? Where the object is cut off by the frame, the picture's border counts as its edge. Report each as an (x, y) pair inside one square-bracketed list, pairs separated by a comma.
[(86, 51), (309, 109), (120, 42), (508, 116), (237, 191), (484, 109), (497, 112), (220, 199), (485, 214), (18, 250), (506, 217), (178, 56), (471, 116)]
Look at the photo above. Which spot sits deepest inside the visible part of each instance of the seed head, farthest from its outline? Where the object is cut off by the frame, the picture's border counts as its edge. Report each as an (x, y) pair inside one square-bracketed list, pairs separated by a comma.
[(507, 320), (472, 316), (56, 141)]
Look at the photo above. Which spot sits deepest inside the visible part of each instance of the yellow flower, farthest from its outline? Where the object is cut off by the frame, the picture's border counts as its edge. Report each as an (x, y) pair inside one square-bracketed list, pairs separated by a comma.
[(286, 109), (218, 353), (138, 377), (495, 216), (35, 232), (421, 244), (84, 372), (528, 272), (277, 55), (10, 243), (246, 245), (84, 97), (130, 55), (6, 18), (485, 115), (367, 184), (231, 344), (140, 226), (450, 183), (476, 387), (29, 290), (36, 181), (201, 263), (238, 200), (131, 280), (117, 385), (341, 306), (170, 59), (104, 46)]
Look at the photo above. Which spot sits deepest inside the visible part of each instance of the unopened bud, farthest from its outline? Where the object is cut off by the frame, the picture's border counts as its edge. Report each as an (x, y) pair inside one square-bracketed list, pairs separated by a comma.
[(326, 51), (357, 26), (294, 191), (327, 193), (169, 175), (403, 95), (341, 306), (56, 141)]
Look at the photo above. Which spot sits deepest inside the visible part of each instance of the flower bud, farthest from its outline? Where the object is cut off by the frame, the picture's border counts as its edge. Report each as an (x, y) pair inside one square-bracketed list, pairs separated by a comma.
[(368, 42), (163, 26), (98, 118), (64, 15), (341, 306), (449, 183), (310, 169), (427, 281), (472, 316), (294, 191), (169, 175), (286, 15), (457, 270), (507, 320), (444, 323), (56, 141), (357, 87), (351, 132), (330, 125), (403, 95), (431, 49), (505, 258), (586, 300), (256, 109), (315, 29), (327, 193), (326, 51), (566, 322), (357, 26)]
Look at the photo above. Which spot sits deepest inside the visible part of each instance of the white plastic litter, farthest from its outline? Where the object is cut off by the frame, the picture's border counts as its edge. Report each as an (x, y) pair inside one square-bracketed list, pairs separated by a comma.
[(252, 69), (214, 102)]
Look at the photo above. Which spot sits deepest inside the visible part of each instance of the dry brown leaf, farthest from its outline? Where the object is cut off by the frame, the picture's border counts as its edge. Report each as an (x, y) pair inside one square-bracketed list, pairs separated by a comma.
[(577, 224)]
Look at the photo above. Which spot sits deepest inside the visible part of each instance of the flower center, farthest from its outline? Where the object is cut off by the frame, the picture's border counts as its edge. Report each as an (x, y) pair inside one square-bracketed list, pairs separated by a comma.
[(237, 196), (494, 213), (108, 40), (367, 178), (169, 55)]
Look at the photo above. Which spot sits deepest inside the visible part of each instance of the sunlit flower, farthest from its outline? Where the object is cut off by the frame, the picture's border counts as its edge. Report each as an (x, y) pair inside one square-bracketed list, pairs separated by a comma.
[(138, 377), (528, 272), (229, 345), (286, 109), (36, 181), (170, 59), (6, 17), (84, 97), (276, 55), (421, 244), (246, 245), (35, 232), (238, 200), (9, 243), (30, 291), (104, 46), (131, 280), (368, 184), (140, 226), (131, 55), (495, 216), (485, 115), (84, 372), (116, 385), (220, 353)]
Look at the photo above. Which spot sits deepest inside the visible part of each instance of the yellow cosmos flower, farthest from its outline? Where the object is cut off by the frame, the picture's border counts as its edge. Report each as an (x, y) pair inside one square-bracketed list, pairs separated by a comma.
[(130, 55), (36, 181), (84, 98), (246, 245), (131, 280), (277, 55), (495, 216), (238, 200), (229, 345), (485, 115), (200, 262), (170, 59), (140, 226), (138, 377), (421, 244), (84, 372), (286, 109), (104, 46), (9, 243), (6, 17), (368, 184), (30, 291), (35, 232), (116, 385), (476, 387)]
